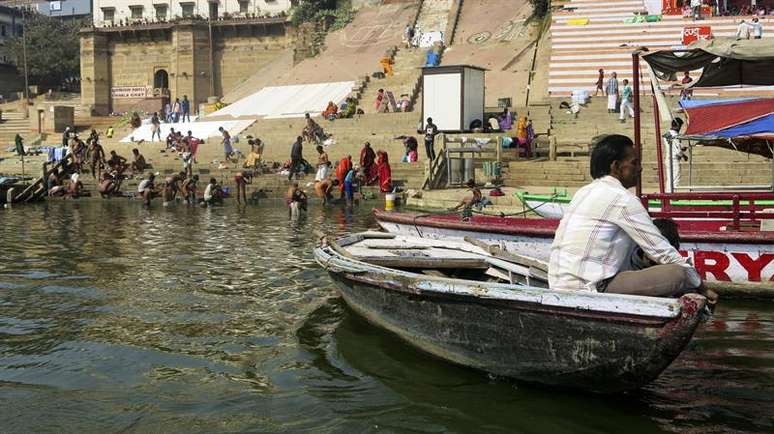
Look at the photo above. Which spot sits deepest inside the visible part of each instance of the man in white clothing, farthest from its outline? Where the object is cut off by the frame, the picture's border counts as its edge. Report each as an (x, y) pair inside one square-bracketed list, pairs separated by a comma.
[(676, 154), (604, 224), (626, 101), (743, 30), (757, 28)]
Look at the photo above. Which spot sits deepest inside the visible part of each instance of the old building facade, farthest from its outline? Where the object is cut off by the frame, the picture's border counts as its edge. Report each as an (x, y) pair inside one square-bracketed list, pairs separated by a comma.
[(124, 12), (137, 67)]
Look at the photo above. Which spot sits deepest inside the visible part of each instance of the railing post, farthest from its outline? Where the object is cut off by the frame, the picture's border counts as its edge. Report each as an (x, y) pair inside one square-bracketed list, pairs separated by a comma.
[(735, 199)]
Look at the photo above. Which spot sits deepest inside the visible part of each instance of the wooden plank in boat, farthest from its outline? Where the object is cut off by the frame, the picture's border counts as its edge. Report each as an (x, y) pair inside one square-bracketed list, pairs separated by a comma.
[(396, 247), (377, 235), (346, 241), (338, 249), (499, 253), (425, 263)]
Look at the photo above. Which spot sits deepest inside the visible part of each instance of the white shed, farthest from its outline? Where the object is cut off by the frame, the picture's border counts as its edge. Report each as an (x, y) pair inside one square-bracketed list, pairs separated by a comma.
[(453, 95)]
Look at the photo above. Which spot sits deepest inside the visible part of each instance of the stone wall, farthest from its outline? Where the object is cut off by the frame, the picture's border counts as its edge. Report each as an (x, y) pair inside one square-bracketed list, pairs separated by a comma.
[(10, 82), (238, 56), (130, 57)]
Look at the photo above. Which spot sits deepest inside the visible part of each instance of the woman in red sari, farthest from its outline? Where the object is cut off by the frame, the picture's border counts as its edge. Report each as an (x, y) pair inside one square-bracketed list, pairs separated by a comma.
[(341, 171), (385, 173)]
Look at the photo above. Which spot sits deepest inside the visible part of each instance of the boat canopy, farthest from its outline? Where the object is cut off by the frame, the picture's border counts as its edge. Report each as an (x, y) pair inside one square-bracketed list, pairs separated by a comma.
[(745, 125), (725, 61), (730, 119)]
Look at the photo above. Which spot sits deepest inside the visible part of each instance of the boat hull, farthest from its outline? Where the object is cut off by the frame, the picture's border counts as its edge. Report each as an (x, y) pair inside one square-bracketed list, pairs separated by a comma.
[(741, 263), (601, 352)]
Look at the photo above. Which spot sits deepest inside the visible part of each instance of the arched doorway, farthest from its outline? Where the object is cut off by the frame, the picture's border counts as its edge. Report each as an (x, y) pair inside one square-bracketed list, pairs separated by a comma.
[(161, 79)]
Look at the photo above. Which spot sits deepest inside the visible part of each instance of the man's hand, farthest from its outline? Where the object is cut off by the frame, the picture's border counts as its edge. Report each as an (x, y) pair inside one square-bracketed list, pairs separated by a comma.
[(712, 296)]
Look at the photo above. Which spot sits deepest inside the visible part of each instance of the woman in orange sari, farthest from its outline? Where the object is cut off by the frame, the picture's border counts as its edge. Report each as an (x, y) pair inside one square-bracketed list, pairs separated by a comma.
[(387, 63), (384, 171), (341, 171), (522, 136)]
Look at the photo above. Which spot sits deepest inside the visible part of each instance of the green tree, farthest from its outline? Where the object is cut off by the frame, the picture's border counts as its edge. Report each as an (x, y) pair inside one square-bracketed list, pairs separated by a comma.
[(540, 7), (53, 48), (307, 10)]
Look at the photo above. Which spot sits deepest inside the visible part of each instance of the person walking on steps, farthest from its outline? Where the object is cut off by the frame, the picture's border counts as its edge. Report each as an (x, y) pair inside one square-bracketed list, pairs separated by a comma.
[(155, 126), (626, 102), (430, 131)]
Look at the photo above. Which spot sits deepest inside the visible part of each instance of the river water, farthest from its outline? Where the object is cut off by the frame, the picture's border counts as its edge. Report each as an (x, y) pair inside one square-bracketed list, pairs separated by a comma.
[(114, 318)]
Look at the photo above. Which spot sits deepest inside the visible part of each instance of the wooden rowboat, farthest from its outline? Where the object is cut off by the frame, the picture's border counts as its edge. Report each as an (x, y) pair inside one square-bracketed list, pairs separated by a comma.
[(467, 306), (742, 261)]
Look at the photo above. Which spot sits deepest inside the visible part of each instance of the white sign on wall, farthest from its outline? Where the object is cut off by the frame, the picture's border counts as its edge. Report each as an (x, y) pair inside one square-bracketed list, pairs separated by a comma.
[(130, 92)]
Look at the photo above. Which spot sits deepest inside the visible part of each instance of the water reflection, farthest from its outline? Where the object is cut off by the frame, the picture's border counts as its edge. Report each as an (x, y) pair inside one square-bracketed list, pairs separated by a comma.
[(208, 320)]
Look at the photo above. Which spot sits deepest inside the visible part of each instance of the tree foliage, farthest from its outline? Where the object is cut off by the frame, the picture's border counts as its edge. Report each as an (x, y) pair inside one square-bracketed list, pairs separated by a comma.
[(53, 49), (307, 10), (540, 7)]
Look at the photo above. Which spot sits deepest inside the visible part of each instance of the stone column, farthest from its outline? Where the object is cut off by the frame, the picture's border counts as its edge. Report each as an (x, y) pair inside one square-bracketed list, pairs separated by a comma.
[(193, 66), (95, 71)]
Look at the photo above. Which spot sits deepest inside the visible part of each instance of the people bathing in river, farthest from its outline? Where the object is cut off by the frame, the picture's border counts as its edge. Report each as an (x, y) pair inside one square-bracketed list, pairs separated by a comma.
[(342, 169), (350, 181), (604, 223), (109, 184), (147, 189), (213, 193), (296, 200), (241, 179), (172, 186), (323, 164), (324, 187), (190, 188)]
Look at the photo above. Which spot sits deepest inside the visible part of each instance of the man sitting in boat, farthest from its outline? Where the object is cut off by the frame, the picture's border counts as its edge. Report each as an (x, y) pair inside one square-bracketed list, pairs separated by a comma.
[(603, 225)]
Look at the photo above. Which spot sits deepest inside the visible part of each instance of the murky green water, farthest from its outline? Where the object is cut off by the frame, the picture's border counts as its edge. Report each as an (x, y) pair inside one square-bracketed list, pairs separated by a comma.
[(113, 318)]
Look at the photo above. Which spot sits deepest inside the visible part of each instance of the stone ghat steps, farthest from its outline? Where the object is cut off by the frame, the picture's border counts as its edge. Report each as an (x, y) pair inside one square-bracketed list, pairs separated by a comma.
[(605, 41), (407, 72)]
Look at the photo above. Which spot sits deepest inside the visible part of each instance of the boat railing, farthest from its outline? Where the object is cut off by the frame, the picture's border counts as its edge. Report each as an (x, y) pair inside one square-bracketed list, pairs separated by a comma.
[(742, 207)]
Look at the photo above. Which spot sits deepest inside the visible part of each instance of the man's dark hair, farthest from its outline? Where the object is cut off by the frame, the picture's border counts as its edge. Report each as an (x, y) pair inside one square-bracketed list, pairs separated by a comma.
[(668, 229), (606, 149)]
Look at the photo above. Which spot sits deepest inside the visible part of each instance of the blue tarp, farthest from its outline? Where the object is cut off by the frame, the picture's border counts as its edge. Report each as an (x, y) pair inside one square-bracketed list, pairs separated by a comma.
[(760, 126)]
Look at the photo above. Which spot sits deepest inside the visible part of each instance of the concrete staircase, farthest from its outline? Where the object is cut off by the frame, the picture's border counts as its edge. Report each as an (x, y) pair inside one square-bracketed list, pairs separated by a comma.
[(605, 41), (11, 124), (433, 16), (408, 64)]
